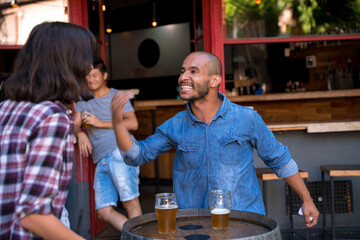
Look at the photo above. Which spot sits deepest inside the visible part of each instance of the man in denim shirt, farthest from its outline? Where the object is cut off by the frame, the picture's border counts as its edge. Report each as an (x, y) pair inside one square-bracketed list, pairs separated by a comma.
[(214, 141)]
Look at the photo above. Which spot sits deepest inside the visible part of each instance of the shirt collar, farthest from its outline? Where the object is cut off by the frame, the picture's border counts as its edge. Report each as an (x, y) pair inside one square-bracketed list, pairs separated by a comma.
[(221, 112), (68, 111)]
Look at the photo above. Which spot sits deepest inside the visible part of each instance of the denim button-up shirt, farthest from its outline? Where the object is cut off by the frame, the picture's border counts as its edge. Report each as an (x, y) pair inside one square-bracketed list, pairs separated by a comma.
[(216, 156)]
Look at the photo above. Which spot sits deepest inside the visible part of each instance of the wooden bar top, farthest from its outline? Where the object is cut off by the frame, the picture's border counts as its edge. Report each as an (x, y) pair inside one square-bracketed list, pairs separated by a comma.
[(341, 170), (266, 174), (262, 97), (318, 127)]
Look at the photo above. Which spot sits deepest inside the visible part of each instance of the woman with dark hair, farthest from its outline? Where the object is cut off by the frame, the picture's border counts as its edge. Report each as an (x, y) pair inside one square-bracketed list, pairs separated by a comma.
[(36, 130)]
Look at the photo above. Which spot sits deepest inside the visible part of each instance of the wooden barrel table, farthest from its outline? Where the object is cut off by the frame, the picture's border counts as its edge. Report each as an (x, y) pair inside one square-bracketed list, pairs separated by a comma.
[(194, 224)]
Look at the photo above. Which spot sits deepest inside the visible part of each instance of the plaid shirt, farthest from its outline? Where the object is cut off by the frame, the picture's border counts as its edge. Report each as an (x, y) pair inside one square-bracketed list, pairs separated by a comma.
[(36, 155)]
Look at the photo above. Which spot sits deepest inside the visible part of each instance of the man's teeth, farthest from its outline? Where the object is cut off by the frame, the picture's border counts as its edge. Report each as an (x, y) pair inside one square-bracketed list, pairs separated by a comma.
[(186, 87)]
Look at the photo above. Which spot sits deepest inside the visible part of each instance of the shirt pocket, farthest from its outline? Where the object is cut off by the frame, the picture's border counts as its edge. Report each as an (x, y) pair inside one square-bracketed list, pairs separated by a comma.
[(231, 149), (188, 157)]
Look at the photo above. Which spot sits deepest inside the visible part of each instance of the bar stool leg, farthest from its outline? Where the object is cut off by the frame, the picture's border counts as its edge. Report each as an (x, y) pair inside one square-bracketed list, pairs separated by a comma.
[(332, 208), (324, 203)]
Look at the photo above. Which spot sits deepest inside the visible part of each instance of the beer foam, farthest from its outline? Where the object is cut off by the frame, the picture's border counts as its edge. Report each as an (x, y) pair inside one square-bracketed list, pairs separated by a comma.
[(166, 207), (220, 211)]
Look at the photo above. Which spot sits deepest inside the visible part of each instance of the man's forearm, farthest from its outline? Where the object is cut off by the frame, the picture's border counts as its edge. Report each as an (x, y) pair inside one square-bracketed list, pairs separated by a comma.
[(297, 184), (311, 213), (123, 137)]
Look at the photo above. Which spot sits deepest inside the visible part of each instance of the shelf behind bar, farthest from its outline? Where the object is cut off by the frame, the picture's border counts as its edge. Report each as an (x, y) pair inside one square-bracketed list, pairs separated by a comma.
[(318, 127)]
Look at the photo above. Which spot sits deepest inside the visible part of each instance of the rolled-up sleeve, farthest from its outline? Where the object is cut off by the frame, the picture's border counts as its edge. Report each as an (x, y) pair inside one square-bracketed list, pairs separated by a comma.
[(132, 154), (287, 170), (274, 154)]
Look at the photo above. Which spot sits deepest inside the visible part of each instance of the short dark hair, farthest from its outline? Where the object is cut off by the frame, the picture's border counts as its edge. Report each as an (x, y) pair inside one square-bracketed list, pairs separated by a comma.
[(98, 63), (53, 64)]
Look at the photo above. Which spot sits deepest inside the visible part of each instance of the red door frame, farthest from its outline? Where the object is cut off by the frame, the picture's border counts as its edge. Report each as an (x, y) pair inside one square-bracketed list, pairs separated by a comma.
[(213, 32), (78, 14)]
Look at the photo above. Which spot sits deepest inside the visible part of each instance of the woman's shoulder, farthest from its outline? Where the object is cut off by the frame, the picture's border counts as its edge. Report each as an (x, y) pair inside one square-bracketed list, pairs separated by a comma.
[(47, 109)]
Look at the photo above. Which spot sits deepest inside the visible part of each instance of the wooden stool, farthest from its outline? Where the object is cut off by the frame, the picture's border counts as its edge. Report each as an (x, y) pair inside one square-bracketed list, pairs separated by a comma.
[(266, 174), (335, 171)]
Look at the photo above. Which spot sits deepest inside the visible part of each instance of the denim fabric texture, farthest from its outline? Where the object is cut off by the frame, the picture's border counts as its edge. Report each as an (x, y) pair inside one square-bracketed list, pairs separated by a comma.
[(113, 177), (216, 156)]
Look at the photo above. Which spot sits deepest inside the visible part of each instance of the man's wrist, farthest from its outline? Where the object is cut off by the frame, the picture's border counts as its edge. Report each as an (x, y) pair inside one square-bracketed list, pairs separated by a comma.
[(306, 199), (80, 133)]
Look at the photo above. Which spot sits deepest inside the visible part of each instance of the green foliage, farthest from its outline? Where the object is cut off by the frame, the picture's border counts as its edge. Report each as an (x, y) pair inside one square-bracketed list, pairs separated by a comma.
[(247, 11), (306, 17), (309, 16)]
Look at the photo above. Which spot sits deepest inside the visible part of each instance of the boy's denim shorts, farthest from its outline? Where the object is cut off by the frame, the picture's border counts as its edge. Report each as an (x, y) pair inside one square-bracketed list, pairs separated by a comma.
[(114, 178)]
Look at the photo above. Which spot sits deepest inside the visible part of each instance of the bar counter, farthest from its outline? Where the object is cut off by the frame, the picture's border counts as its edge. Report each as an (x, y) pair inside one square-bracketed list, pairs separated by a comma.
[(317, 111)]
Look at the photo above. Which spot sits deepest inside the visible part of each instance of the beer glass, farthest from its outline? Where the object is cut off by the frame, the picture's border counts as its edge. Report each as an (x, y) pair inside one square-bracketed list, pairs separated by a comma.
[(166, 208), (84, 114), (220, 204)]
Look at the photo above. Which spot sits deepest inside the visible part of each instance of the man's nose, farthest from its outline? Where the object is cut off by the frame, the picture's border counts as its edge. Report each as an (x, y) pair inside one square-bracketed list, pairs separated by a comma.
[(184, 75)]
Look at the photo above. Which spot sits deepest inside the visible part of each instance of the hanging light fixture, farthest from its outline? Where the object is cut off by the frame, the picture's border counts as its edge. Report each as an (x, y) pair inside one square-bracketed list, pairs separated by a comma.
[(66, 11), (154, 22), (108, 29), (14, 3)]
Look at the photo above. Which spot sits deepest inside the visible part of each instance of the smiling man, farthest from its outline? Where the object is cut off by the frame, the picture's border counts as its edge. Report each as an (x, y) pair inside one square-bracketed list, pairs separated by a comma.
[(214, 141)]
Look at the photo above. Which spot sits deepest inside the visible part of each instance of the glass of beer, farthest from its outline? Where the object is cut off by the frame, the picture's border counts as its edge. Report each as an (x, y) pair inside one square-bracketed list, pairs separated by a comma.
[(220, 204), (166, 208), (85, 114)]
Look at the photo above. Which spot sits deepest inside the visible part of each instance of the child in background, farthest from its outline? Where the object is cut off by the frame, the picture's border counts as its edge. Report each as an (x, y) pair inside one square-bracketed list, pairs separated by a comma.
[(113, 178)]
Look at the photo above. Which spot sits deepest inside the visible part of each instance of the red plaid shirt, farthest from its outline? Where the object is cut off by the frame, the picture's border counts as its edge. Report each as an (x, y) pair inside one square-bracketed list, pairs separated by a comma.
[(36, 155)]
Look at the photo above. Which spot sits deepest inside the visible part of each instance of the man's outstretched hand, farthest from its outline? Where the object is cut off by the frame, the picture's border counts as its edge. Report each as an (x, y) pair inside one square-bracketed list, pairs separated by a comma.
[(117, 106)]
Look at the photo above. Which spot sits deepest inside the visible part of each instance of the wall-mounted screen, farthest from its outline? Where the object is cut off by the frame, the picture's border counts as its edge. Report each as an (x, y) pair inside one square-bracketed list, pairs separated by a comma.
[(147, 53)]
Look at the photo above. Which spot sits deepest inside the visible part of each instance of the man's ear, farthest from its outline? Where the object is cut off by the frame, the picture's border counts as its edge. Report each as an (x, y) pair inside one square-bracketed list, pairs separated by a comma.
[(105, 75), (215, 81)]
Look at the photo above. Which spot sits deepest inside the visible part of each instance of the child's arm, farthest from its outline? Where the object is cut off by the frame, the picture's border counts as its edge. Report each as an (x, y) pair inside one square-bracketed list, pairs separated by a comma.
[(130, 121), (85, 146)]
